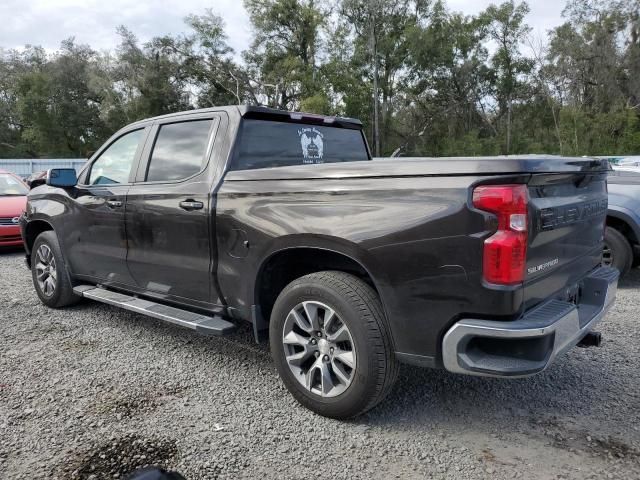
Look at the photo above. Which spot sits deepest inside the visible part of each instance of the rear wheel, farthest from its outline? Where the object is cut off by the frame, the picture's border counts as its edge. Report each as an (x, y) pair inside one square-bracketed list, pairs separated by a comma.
[(49, 272), (617, 251), (330, 344)]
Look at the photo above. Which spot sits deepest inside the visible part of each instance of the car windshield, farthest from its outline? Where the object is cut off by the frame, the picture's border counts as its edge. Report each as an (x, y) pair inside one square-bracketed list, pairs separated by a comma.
[(11, 186)]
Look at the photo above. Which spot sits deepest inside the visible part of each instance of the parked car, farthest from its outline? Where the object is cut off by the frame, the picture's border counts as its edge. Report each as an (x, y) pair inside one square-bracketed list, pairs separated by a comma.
[(482, 266), (628, 164), (13, 199), (36, 178), (621, 241)]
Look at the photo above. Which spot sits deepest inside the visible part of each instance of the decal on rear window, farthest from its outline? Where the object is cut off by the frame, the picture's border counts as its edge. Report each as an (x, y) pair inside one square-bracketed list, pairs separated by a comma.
[(268, 144), (311, 140)]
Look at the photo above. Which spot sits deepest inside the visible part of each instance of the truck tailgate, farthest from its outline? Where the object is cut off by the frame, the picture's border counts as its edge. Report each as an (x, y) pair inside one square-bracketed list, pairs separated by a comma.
[(567, 214)]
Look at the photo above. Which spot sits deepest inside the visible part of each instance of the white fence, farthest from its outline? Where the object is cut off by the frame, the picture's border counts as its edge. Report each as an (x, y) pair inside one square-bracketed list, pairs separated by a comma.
[(25, 167)]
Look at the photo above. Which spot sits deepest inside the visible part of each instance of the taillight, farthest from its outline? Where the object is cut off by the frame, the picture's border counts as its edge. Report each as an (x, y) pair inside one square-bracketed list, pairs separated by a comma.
[(505, 252)]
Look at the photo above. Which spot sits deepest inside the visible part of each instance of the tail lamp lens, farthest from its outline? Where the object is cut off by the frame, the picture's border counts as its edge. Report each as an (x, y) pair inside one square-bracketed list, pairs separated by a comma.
[(505, 252)]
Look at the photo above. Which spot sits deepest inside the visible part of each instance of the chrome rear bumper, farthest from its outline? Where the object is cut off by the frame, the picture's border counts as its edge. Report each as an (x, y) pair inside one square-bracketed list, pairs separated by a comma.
[(528, 345)]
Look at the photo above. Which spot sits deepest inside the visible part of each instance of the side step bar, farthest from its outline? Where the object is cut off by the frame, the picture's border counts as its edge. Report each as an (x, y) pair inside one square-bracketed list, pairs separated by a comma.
[(200, 323)]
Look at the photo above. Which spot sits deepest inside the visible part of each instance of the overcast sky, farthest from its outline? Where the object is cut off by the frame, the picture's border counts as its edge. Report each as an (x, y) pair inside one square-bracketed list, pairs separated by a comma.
[(47, 22)]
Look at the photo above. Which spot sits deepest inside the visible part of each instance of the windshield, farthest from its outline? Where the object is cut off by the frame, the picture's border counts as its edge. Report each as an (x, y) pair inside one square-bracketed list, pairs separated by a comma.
[(11, 186)]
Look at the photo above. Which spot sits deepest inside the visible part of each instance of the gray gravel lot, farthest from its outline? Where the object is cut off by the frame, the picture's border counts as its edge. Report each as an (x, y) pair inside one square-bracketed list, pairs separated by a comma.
[(93, 392)]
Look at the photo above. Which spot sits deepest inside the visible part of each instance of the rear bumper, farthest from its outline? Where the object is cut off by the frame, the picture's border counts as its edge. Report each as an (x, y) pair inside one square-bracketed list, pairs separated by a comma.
[(528, 345)]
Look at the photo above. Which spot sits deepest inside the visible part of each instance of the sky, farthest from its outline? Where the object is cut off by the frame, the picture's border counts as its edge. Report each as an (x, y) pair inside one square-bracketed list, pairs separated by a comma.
[(48, 22)]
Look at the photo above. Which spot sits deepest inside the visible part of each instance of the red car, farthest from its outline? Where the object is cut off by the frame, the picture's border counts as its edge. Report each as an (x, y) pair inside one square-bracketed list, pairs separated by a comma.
[(13, 199)]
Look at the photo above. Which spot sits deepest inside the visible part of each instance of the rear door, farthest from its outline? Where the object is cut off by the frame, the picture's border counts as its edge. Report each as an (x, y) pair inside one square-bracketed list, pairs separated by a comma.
[(568, 213), (169, 213)]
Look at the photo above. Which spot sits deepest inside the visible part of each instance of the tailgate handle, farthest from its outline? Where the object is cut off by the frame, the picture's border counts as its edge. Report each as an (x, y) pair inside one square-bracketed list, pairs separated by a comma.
[(189, 205)]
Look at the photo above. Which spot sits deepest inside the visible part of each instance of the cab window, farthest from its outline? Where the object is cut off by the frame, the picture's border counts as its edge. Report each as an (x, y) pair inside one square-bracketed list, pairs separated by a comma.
[(267, 144), (179, 151), (113, 166)]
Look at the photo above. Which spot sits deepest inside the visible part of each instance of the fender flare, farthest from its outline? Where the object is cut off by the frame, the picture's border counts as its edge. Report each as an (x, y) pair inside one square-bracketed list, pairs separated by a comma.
[(327, 243), (627, 216)]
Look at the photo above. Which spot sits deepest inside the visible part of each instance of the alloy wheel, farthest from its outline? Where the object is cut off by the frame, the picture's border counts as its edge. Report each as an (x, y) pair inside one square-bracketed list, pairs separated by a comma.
[(319, 349), (46, 273)]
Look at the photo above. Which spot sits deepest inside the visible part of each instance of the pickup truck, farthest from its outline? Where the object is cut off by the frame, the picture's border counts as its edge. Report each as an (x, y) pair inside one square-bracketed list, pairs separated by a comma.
[(349, 267)]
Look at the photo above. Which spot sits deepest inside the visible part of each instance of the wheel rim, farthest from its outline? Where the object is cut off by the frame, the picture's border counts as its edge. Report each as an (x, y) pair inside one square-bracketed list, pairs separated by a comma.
[(319, 349), (46, 273), (607, 255)]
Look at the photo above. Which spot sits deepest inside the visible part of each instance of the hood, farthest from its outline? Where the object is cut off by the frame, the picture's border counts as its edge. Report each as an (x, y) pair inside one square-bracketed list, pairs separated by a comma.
[(12, 206)]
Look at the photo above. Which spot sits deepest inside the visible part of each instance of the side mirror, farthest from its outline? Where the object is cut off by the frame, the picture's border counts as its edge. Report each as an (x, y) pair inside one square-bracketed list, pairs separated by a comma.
[(62, 177)]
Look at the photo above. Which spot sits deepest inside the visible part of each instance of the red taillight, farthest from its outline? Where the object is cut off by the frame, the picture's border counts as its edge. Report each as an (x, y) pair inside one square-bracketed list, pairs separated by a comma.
[(505, 252)]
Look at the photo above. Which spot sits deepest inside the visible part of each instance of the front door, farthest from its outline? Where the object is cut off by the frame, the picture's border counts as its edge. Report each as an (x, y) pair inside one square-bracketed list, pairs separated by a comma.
[(94, 233), (169, 216)]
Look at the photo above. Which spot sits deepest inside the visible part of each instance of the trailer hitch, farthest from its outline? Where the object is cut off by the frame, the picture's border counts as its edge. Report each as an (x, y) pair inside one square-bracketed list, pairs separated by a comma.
[(591, 339)]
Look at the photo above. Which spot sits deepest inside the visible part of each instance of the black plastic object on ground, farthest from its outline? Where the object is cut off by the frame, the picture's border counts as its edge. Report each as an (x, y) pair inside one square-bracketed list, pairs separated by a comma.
[(154, 474)]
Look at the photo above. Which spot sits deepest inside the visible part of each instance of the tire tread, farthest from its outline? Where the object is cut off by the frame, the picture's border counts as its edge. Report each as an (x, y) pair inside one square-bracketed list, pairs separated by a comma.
[(367, 303), (65, 296)]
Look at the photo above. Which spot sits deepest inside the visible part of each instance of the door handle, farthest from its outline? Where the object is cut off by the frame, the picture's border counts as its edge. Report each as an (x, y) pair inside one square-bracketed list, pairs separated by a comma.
[(189, 205), (114, 203)]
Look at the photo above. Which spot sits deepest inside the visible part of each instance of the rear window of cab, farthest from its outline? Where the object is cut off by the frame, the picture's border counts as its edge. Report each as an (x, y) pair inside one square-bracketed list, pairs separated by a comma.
[(266, 144)]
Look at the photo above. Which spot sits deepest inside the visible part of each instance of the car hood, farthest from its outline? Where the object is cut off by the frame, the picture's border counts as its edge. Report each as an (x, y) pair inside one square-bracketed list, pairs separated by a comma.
[(12, 206)]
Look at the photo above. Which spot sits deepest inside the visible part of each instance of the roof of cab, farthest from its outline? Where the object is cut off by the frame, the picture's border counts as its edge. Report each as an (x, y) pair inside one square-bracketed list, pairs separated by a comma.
[(252, 111)]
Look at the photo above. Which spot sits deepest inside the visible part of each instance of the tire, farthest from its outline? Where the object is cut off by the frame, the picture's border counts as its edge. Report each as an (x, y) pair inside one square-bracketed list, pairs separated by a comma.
[(617, 251), (49, 272), (365, 343)]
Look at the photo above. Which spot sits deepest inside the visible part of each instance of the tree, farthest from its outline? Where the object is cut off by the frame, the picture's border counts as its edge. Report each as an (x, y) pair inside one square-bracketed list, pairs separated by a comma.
[(284, 54), (381, 29), (506, 27), (423, 79), (450, 82), (206, 59), (152, 80), (54, 106)]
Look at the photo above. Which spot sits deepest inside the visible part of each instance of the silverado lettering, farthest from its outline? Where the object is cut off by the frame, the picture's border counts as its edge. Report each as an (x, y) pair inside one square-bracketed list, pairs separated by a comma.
[(555, 217), (543, 266)]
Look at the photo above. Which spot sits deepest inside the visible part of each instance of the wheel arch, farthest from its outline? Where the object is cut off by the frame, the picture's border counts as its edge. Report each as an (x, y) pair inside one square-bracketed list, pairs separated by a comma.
[(284, 265), (32, 230), (625, 225)]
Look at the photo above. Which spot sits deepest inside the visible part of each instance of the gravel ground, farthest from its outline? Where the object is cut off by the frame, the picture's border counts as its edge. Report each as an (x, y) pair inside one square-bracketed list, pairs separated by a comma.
[(94, 392)]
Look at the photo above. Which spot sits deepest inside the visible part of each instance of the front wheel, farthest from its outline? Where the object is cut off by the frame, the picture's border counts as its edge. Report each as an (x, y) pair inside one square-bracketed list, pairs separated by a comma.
[(330, 344), (49, 272)]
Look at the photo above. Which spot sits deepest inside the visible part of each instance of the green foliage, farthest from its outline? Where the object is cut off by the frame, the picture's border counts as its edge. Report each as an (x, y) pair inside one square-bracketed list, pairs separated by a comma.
[(425, 81)]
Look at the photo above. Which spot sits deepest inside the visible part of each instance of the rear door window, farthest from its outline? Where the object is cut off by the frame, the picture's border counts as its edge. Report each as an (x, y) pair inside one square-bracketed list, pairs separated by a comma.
[(179, 151), (264, 144)]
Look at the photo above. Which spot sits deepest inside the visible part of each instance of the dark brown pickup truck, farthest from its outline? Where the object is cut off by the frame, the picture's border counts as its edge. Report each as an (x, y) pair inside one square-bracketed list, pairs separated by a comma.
[(481, 266)]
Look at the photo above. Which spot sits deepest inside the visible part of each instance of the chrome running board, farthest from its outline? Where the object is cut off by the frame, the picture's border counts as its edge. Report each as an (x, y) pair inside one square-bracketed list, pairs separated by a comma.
[(200, 323)]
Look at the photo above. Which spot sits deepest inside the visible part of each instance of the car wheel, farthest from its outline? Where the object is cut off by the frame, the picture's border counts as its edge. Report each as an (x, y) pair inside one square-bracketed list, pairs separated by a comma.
[(617, 251), (331, 345), (49, 272)]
